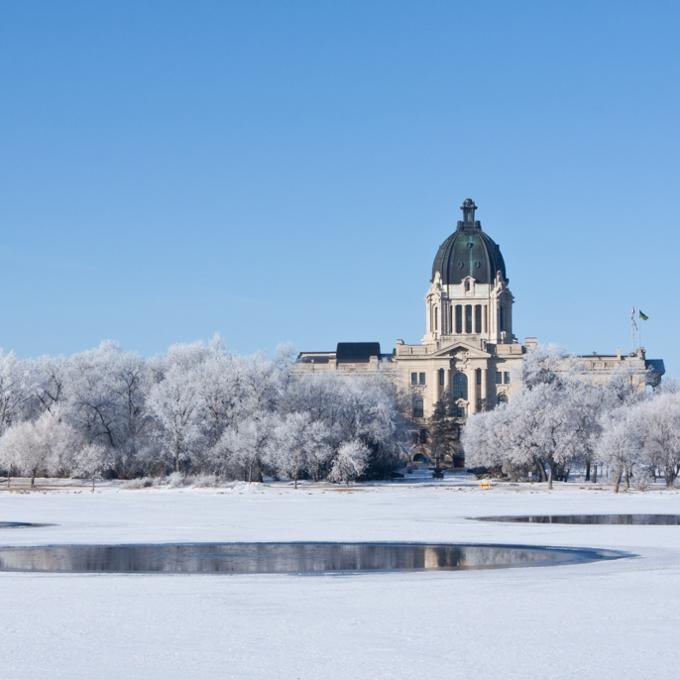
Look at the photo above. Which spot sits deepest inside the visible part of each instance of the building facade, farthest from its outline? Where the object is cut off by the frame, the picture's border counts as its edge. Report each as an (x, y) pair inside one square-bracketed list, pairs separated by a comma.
[(469, 355)]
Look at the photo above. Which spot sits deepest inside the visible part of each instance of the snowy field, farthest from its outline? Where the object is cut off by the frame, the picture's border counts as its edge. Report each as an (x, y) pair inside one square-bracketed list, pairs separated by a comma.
[(618, 619)]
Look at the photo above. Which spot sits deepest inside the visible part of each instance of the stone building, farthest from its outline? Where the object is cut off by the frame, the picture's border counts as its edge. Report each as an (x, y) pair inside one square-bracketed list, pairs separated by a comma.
[(469, 354)]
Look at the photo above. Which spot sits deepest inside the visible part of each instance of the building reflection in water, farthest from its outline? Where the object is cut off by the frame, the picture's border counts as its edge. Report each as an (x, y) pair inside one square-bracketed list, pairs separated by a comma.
[(283, 558)]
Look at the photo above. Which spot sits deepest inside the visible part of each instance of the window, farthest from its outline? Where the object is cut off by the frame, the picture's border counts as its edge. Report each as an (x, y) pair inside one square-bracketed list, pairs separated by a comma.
[(414, 378), (501, 319), (467, 285), (478, 318), (499, 378), (478, 376), (506, 377), (417, 407), (421, 379), (459, 318), (460, 386), (501, 399), (423, 436), (440, 373), (468, 318), (436, 318)]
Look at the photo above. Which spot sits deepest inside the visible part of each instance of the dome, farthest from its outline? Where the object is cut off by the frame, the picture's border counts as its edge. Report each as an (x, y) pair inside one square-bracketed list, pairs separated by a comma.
[(468, 252)]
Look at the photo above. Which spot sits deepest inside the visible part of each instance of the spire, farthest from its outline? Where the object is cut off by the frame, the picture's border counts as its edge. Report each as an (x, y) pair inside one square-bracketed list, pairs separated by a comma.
[(468, 209)]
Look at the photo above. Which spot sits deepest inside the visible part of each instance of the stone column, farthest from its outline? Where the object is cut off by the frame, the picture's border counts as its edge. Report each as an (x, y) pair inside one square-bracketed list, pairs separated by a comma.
[(472, 391), (484, 385)]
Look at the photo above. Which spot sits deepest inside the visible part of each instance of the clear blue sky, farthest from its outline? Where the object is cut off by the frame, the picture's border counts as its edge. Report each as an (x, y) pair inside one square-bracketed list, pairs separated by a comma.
[(280, 171)]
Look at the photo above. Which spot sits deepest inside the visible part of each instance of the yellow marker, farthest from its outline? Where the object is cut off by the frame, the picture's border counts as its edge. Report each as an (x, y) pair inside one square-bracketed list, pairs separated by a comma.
[(485, 484)]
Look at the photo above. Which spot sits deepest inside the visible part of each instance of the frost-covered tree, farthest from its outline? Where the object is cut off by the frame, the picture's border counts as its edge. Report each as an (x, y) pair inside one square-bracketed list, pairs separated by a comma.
[(46, 445), (552, 423), (14, 392), (658, 423), (242, 448), (364, 408), (620, 444), (642, 437), (176, 404), (48, 382), (198, 408), (350, 462), (486, 440), (299, 447), (289, 447), (91, 462), (542, 365), (105, 396)]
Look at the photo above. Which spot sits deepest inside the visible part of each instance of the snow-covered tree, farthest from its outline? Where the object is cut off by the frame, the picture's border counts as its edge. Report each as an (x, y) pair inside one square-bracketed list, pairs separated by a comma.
[(364, 408), (542, 365), (48, 380), (350, 462), (91, 462), (620, 444), (14, 394), (105, 395), (299, 447), (242, 448), (176, 404), (486, 440), (45, 445), (553, 422), (658, 423)]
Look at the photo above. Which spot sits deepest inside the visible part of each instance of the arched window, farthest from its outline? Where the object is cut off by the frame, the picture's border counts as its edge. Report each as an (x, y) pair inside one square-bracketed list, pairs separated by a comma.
[(417, 407), (460, 386), (441, 377)]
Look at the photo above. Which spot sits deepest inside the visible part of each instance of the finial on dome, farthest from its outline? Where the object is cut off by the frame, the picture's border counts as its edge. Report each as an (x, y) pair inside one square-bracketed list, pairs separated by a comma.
[(468, 209)]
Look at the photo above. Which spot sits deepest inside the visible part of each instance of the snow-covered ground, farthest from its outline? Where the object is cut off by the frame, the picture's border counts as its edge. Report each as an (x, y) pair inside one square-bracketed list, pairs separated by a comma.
[(618, 619)]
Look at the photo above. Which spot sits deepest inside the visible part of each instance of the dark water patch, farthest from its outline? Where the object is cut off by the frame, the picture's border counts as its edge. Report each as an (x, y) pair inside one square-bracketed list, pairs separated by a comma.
[(587, 519), (20, 525), (287, 558)]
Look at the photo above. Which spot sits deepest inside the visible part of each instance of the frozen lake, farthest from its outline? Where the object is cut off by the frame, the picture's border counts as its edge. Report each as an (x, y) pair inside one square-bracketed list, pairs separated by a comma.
[(286, 558), (603, 619), (588, 519)]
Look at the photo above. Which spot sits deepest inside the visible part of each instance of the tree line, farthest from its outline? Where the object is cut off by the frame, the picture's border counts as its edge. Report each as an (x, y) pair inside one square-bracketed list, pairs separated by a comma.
[(561, 420), (195, 410)]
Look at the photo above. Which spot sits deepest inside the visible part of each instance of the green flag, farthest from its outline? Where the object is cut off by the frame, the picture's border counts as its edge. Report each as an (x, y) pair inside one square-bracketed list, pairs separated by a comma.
[(643, 316)]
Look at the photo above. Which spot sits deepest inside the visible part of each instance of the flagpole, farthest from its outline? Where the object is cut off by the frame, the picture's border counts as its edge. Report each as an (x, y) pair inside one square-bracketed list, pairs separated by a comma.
[(633, 327), (639, 335)]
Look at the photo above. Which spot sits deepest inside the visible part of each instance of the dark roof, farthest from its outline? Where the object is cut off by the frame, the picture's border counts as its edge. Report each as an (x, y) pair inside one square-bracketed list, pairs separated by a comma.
[(356, 352), (656, 365), (315, 358), (468, 252)]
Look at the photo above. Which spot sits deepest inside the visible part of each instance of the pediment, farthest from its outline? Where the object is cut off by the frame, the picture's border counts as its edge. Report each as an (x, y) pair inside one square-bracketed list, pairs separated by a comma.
[(461, 349)]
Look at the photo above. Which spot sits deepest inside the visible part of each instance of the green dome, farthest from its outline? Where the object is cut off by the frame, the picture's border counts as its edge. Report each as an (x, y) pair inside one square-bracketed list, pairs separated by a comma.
[(468, 252)]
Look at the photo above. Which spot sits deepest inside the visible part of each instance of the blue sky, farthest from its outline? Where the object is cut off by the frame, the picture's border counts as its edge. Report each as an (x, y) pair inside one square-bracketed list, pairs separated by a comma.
[(286, 171)]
